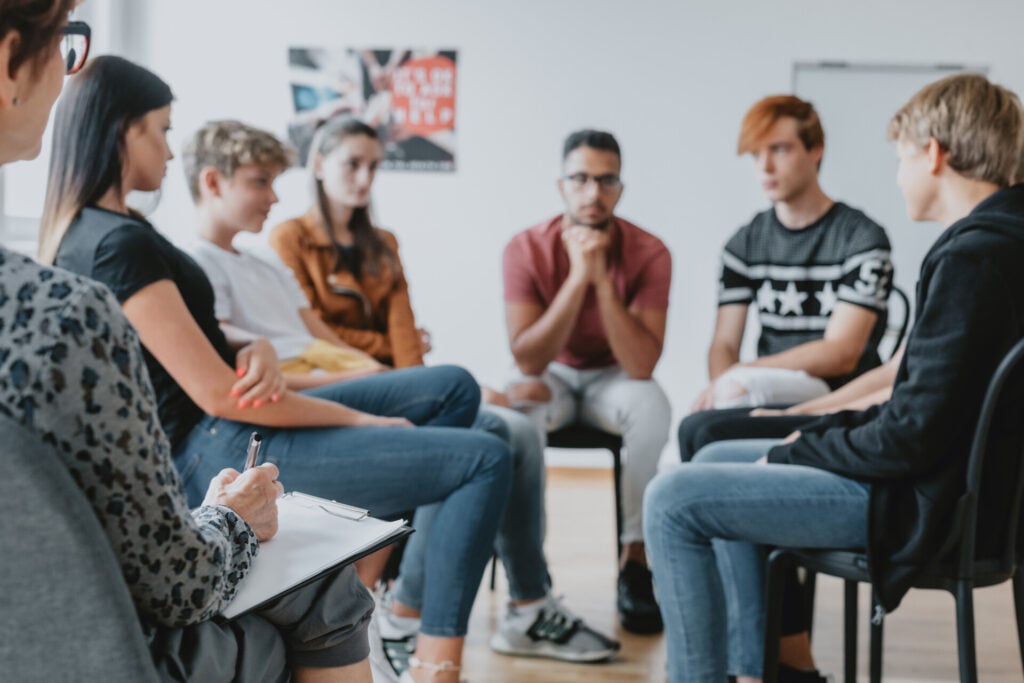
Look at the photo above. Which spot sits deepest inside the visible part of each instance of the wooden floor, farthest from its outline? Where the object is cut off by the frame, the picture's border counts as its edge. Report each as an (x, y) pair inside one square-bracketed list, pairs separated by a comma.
[(920, 637)]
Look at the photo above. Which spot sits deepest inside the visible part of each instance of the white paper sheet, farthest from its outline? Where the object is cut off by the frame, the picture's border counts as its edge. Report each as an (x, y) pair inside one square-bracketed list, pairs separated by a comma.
[(308, 541)]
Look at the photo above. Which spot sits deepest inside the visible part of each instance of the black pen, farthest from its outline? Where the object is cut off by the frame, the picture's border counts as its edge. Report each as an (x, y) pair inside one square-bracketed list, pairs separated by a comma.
[(252, 453)]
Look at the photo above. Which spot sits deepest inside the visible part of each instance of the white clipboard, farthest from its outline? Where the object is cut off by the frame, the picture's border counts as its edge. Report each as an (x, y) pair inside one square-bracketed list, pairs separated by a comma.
[(315, 536)]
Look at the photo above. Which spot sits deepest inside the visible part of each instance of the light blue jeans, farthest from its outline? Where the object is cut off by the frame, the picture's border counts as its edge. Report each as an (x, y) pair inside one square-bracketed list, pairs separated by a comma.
[(706, 524), (389, 470), (520, 540)]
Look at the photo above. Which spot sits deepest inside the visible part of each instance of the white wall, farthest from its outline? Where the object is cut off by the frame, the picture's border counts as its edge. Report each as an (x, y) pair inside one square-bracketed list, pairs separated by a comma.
[(671, 79)]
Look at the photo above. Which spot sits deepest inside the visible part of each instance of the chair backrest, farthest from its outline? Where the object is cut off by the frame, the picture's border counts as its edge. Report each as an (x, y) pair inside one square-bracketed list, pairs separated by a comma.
[(65, 610), (998, 421), (898, 316)]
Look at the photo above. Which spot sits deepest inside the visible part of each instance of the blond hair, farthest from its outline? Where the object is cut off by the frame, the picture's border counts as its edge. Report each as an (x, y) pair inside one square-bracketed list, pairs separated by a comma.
[(978, 123), (229, 145)]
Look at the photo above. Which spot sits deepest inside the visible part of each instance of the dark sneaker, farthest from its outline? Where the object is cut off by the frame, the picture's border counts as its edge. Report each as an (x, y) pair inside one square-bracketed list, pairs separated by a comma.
[(550, 630), (638, 610), (788, 674)]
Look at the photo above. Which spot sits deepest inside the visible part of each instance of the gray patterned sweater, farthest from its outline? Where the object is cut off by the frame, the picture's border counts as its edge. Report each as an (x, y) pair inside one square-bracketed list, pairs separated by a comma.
[(71, 369)]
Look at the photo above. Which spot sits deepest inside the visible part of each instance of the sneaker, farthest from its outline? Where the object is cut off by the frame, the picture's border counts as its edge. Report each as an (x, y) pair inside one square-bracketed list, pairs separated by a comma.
[(788, 674), (547, 628), (380, 668), (392, 642), (638, 610)]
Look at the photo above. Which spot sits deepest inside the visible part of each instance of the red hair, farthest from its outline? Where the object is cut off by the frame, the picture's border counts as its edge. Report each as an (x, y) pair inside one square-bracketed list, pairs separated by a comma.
[(763, 115)]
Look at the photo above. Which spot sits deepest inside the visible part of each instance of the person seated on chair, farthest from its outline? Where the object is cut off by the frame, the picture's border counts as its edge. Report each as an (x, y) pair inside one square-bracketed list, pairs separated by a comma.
[(958, 141), (586, 297), (350, 441), (819, 271), (74, 374), (331, 241)]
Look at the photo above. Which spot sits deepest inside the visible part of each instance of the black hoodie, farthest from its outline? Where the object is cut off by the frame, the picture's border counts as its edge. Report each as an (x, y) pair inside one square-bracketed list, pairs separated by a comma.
[(913, 449)]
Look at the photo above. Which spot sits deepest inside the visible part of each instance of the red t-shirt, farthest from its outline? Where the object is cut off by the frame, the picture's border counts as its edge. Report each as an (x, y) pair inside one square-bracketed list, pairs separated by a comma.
[(535, 265)]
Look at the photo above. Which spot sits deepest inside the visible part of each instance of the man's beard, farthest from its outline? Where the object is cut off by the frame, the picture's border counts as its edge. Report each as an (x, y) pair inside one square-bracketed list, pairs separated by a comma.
[(603, 225)]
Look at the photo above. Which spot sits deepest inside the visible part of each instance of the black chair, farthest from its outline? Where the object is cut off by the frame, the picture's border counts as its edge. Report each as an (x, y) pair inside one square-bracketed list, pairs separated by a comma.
[(578, 436), (581, 436), (896, 325), (958, 570)]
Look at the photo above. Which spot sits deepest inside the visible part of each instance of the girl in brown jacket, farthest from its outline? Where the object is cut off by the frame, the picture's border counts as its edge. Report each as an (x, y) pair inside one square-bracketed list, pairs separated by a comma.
[(349, 269)]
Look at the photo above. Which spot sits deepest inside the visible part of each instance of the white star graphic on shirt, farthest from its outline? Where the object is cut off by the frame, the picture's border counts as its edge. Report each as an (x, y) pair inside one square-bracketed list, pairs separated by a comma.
[(766, 297), (791, 301), (827, 298)]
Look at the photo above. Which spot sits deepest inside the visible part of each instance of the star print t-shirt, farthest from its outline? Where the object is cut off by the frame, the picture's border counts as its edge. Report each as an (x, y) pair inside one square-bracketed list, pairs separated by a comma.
[(797, 277)]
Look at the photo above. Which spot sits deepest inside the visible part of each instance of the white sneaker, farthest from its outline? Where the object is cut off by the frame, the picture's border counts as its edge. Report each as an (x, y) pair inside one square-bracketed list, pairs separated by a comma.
[(380, 667), (547, 628), (392, 641)]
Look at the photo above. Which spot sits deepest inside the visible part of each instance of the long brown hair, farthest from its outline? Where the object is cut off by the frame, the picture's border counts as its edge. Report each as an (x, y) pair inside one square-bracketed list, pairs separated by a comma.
[(371, 251), (97, 108)]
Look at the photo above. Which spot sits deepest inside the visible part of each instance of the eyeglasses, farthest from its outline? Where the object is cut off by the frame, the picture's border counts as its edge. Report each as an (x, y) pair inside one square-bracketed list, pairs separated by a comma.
[(74, 45), (578, 181)]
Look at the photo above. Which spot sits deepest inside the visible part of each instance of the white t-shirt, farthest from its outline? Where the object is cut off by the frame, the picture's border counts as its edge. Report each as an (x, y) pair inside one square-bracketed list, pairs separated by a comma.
[(256, 296)]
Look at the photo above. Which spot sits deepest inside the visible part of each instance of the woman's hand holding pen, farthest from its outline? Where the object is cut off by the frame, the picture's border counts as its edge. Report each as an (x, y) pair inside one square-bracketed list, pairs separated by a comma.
[(260, 378), (252, 495)]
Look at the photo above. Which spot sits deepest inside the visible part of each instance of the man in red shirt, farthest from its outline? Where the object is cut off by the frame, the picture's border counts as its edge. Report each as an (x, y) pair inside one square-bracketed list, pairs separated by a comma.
[(586, 297)]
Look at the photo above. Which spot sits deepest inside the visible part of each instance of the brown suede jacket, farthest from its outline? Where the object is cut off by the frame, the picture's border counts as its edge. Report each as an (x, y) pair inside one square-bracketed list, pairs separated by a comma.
[(372, 313)]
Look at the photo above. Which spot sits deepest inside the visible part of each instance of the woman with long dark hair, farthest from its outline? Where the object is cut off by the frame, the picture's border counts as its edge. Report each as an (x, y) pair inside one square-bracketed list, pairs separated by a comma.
[(73, 374), (110, 139)]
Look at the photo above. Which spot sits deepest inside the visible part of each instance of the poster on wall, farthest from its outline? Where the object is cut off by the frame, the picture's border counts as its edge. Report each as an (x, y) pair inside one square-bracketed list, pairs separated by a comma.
[(407, 95)]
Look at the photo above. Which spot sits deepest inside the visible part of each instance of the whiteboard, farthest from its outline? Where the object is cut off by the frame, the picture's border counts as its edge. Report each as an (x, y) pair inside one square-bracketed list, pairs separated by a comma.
[(855, 103)]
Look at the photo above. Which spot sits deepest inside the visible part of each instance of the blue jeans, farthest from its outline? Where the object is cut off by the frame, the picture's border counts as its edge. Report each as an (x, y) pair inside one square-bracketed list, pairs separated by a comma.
[(389, 470), (520, 541), (706, 524)]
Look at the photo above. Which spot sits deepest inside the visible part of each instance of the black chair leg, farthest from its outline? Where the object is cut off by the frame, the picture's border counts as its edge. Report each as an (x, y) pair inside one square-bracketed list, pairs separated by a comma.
[(809, 585), (1018, 603), (850, 632), (494, 571), (617, 468), (965, 631), (875, 648), (779, 563)]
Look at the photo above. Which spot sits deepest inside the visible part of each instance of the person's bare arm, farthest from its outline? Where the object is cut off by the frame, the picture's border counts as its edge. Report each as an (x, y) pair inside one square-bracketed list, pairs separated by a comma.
[(636, 337), (835, 354), (727, 339), (169, 332), (535, 335), (724, 351)]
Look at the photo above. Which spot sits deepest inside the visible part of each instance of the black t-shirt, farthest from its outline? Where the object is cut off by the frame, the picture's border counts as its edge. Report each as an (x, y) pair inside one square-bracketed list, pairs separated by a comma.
[(796, 277), (127, 254)]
